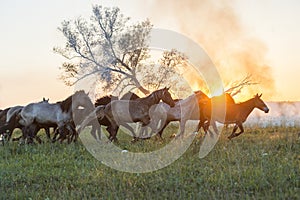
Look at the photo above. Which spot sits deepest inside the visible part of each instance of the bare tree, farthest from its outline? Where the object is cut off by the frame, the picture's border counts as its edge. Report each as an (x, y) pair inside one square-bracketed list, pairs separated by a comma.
[(237, 86), (166, 71), (107, 45)]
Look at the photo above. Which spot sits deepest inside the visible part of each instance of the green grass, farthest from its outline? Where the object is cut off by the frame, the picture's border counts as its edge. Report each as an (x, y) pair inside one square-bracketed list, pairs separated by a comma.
[(261, 164)]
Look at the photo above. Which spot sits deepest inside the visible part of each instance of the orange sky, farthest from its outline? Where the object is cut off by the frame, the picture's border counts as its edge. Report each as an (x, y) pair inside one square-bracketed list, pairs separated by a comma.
[(29, 68)]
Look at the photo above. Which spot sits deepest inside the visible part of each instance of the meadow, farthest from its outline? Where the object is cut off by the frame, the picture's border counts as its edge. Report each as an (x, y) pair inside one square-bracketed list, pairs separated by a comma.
[(263, 163)]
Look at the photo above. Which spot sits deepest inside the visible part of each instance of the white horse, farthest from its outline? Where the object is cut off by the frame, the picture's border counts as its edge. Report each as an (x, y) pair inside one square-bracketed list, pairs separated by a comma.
[(60, 113)]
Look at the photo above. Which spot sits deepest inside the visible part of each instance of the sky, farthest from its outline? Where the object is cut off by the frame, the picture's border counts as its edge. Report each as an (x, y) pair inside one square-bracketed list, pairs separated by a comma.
[(29, 69)]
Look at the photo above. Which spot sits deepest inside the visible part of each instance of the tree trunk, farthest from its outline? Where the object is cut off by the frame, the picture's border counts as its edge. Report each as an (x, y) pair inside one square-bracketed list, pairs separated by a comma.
[(143, 90), (140, 87)]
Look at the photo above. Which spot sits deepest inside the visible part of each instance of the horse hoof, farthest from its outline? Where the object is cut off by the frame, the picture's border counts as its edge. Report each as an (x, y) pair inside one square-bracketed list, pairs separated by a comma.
[(173, 135)]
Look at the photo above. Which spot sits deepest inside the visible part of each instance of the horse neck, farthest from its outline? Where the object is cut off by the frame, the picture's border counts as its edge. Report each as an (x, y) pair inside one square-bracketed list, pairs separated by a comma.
[(66, 104), (248, 106), (103, 101), (151, 99)]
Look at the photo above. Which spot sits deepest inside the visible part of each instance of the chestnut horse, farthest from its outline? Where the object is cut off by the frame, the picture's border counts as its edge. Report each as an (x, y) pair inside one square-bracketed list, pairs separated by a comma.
[(235, 114)]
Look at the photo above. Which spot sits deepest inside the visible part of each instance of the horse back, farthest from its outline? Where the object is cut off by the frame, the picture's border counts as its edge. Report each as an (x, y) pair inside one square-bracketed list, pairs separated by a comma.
[(42, 113)]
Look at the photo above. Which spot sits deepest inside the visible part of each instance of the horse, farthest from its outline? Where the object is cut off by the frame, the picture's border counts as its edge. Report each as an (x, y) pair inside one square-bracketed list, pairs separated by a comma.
[(235, 114), (96, 123), (184, 110), (58, 113), (219, 101), (121, 112), (3, 116), (12, 122), (104, 121)]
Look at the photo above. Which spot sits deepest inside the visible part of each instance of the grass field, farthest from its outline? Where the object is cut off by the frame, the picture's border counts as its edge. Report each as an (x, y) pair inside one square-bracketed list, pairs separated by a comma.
[(261, 164)]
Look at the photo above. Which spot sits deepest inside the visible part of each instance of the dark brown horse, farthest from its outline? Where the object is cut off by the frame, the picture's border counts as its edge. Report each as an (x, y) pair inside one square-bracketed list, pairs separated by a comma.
[(235, 114), (221, 102)]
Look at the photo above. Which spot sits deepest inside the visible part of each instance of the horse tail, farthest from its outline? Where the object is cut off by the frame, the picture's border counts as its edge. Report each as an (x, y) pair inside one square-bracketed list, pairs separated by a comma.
[(97, 113), (10, 124)]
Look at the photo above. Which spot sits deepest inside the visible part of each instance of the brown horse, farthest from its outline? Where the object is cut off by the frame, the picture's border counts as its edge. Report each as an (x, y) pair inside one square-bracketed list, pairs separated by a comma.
[(96, 123), (235, 114), (220, 102), (121, 112)]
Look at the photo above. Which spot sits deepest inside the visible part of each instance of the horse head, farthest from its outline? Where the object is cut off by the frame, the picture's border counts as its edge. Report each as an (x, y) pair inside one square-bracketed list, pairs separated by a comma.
[(260, 104), (166, 97)]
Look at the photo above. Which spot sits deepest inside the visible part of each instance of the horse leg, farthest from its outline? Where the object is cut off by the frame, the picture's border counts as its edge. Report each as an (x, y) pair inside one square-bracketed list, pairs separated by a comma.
[(93, 132), (75, 134), (98, 130), (5, 132), (215, 128), (233, 134), (113, 132), (32, 131), (28, 136), (206, 126), (200, 124), (160, 132), (47, 130), (95, 128), (62, 134), (56, 132), (34, 134), (131, 130), (240, 125), (182, 128)]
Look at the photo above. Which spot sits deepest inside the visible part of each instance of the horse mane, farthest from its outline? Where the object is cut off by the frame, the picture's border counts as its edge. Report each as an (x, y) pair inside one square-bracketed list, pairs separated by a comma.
[(65, 105), (177, 100), (229, 98), (105, 100), (108, 98), (130, 96)]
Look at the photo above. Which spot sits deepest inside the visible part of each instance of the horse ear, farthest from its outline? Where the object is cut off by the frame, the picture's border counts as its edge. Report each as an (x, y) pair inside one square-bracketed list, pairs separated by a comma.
[(260, 95), (167, 88)]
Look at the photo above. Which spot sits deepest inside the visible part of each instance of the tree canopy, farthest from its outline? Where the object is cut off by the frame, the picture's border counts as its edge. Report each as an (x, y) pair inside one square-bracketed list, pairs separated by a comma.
[(112, 47)]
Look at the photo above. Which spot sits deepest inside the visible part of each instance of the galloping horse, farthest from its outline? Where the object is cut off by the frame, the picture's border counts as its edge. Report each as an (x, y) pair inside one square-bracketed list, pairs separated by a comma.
[(59, 113), (235, 114), (96, 123), (121, 112), (184, 110), (12, 122), (106, 100), (221, 102)]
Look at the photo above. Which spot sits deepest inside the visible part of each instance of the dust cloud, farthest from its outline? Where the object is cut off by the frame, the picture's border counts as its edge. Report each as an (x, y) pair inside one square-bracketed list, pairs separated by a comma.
[(215, 26)]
